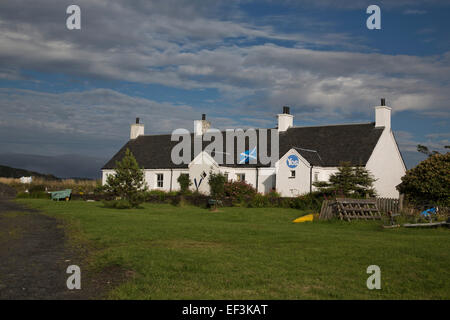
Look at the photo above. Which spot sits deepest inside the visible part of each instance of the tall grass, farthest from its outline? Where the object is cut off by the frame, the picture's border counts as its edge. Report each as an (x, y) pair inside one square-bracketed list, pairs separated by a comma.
[(77, 186)]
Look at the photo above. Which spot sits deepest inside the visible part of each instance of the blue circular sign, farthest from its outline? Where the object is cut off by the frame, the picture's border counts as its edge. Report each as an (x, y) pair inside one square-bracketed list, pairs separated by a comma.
[(292, 161)]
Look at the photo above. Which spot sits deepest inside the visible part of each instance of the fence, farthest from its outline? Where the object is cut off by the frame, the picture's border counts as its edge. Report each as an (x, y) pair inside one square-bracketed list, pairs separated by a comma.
[(388, 204), (329, 207)]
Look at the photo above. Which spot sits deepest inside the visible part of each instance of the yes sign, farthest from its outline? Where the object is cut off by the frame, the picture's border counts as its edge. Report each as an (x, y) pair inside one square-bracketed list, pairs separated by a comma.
[(292, 161)]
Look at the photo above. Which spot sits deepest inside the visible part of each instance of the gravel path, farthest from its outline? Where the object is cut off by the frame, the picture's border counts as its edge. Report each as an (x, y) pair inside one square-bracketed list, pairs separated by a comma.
[(34, 257)]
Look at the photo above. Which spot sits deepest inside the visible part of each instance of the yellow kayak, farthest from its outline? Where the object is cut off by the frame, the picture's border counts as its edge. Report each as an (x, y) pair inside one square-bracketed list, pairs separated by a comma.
[(308, 217)]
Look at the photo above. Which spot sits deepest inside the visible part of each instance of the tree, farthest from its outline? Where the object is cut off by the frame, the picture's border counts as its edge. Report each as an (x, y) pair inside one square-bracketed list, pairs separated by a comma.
[(424, 149), (185, 182), (216, 184), (349, 181), (429, 181), (128, 181)]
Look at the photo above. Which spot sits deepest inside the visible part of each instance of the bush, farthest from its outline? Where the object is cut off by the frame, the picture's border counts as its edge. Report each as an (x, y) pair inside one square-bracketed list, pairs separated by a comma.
[(310, 201), (259, 201), (239, 191), (217, 184), (159, 195), (185, 182)]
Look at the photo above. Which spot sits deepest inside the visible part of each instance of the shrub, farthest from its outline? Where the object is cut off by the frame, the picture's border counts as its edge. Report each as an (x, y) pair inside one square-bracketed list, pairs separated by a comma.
[(259, 201), (159, 195), (310, 201), (239, 191), (185, 182), (217, 184)]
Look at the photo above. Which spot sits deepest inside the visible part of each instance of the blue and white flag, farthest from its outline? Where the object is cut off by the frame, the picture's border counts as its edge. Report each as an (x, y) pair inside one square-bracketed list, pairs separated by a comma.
[(247, 155)]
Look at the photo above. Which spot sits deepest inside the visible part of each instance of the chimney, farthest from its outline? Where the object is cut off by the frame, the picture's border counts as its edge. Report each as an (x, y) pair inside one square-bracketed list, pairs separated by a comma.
[(201, 126), (137, 130), (383, 115), (285, 120)]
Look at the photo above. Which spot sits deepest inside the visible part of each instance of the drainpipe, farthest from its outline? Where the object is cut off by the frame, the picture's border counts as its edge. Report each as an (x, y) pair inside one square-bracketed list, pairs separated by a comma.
[(257, 176), (310, 179), (171, 174)]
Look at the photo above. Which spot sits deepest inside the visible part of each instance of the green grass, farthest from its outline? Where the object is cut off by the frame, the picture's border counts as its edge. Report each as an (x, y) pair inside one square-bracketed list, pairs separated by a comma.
[(241, 253)]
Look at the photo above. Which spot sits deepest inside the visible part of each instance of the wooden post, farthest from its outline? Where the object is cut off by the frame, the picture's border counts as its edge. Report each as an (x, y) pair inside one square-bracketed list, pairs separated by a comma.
[(400, 202)]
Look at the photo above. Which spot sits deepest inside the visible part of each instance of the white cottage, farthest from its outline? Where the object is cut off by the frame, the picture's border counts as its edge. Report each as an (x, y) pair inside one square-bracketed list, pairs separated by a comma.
[(306, 155)]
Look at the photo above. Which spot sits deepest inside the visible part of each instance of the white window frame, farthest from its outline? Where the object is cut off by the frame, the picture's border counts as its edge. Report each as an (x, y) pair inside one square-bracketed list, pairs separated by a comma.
[(292, 174), (240, 177)]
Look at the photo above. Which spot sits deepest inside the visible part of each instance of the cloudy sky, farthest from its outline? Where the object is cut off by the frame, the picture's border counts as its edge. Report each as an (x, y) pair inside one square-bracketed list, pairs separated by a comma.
[(77, 91)]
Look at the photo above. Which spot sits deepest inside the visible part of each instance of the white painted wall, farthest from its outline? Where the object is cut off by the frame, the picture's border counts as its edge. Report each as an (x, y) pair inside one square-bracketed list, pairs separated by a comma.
[(323, 174), (386, 164), (105, 174), (292, 187), (150, 177), (202, 163)]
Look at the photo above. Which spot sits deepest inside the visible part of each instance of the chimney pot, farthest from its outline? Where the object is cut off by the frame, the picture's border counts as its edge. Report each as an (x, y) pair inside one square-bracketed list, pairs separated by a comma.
[(203, 116), (286, 110), (383, 101), (137, 120)]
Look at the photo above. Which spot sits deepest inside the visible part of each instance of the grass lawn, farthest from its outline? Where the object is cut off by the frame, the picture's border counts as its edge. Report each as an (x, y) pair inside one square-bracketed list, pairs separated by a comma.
[(241, 253)]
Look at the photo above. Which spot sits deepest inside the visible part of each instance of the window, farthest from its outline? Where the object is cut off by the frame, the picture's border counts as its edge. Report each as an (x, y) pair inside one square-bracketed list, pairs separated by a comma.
[(292, 174), (159, 180), (240, 177), (316, 177), (226, 176)]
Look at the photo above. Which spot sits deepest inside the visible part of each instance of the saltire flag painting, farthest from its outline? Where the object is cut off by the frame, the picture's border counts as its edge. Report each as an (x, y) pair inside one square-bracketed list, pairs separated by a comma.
[(247, 155)]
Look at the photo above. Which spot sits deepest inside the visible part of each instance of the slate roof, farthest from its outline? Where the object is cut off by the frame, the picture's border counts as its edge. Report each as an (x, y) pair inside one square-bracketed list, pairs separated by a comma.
[(325, 146)]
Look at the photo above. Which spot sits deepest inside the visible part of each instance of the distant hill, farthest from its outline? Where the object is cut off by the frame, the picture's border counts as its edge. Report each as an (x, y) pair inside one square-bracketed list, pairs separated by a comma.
[(9, 172), (62, 166)]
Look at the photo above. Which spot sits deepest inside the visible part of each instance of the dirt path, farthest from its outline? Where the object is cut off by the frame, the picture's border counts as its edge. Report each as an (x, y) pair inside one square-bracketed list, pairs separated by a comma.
[(34, 257)]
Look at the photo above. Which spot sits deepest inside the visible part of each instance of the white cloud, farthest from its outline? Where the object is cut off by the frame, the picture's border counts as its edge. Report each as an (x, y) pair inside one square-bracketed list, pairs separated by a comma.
[(187, 44)]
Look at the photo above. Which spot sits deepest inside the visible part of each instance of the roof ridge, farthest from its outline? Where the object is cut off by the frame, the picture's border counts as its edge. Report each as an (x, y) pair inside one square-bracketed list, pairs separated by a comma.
[(333, 125), (294, 127)]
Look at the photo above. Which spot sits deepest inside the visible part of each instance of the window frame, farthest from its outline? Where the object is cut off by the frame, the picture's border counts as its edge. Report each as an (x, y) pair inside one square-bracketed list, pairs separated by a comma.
[(158, 181), (293, 174)]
